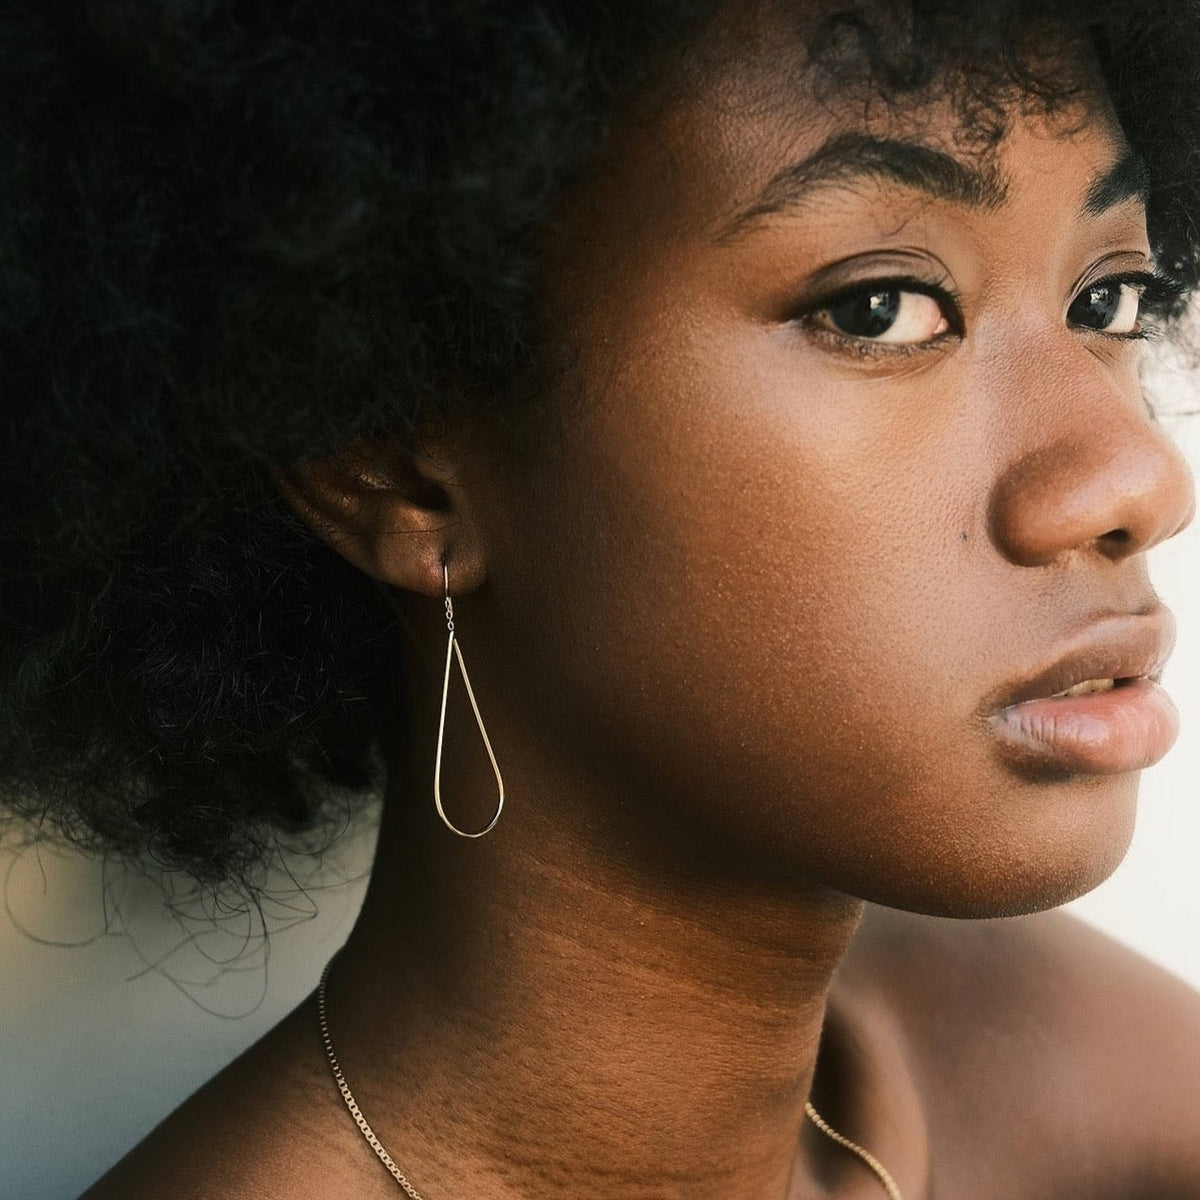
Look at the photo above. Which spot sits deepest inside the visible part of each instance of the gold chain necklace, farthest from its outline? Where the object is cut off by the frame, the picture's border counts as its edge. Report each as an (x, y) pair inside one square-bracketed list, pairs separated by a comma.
[(398, 1175)]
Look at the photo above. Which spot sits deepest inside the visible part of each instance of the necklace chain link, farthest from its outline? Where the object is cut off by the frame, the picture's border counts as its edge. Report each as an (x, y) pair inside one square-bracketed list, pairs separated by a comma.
[(348, 1096), (883, 1174), (867, 1158)]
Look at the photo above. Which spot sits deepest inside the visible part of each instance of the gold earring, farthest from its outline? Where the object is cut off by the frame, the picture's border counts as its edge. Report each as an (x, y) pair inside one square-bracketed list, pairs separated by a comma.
[(453, 650)]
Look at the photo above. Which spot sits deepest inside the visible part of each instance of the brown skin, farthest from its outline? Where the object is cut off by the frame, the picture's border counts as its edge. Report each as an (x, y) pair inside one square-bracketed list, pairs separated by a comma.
[(734, 640)]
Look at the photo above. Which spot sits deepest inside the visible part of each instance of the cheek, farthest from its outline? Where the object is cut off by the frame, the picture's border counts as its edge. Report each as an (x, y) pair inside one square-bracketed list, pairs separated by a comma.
[(759, 600)]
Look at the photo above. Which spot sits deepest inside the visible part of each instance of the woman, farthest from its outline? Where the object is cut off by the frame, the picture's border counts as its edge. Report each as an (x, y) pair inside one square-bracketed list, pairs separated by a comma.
[(744, 399)]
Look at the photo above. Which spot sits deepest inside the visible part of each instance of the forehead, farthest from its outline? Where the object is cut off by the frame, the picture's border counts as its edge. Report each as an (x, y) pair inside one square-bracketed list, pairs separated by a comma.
[(767, 103)]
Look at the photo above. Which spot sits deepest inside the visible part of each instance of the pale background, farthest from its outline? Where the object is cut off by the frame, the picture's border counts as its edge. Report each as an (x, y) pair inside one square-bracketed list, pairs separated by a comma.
[(117, 1001)]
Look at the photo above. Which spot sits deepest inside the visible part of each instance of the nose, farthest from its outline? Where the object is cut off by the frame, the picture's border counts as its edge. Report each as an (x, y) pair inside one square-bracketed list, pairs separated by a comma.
[(1103, 477)]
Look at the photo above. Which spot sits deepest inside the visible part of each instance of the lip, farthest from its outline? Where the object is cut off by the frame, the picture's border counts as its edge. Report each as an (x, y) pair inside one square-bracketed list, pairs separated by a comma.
[(1124, 729)]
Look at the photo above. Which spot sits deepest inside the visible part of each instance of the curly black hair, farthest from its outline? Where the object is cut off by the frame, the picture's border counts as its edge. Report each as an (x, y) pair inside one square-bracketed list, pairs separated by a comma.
[(237, 234)]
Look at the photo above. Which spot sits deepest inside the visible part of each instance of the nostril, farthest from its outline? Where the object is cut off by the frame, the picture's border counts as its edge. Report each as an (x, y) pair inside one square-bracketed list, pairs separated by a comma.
[(1117, 542)]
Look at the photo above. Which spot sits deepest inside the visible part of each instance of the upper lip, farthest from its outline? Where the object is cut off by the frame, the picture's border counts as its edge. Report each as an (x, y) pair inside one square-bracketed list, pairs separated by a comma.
[(1113, 647)]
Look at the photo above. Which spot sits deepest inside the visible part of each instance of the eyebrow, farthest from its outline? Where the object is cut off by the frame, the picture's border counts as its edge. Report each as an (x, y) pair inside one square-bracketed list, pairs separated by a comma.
[(848, 159), (1127, 179)]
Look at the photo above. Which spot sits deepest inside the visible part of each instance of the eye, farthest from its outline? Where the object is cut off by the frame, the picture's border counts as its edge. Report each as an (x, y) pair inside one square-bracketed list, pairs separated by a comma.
[(888, 313), (1108, 306)]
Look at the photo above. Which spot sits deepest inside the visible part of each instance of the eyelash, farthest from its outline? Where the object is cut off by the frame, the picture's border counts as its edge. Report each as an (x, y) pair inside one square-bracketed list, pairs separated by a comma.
[(1159, 295)]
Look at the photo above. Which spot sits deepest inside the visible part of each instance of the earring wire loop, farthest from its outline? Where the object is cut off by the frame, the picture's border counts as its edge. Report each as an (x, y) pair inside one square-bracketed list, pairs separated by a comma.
[(453, 650)]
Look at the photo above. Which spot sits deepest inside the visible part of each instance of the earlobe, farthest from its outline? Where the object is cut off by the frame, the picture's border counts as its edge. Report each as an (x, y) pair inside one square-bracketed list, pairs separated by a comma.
[(397, 515)]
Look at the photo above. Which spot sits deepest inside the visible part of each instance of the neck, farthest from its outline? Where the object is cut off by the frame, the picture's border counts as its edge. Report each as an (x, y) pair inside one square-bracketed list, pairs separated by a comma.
[(559, 1010)]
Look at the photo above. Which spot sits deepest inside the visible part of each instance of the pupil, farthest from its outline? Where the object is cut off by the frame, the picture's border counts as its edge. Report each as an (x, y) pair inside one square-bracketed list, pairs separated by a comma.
[(866, 314), (1098, 306)]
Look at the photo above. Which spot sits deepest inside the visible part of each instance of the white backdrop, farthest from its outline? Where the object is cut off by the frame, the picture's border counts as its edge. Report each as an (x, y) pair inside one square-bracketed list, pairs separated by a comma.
[(104, 1035)]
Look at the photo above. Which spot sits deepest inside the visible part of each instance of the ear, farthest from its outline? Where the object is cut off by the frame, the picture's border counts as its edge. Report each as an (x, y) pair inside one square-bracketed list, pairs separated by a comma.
[(393, 513)]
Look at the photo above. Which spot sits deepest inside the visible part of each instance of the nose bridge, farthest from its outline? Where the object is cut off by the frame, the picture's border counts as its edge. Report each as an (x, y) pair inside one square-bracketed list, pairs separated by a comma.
[(1088, 467)]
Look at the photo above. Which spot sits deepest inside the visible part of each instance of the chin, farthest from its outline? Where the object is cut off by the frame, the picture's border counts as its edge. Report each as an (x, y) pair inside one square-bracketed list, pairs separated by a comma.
[(1071, 842)]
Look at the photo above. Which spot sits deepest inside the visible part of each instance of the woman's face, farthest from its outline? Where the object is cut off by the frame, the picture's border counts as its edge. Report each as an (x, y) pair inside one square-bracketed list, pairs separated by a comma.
[(855, 450)]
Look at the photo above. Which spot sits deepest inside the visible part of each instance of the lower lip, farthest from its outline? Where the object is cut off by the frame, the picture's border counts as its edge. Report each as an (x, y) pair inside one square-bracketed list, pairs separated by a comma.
[(1100, 733)]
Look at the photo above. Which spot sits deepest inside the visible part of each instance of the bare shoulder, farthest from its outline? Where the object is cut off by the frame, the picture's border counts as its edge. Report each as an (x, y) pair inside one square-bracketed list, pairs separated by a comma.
[(268, 1127), (1080, 1050)]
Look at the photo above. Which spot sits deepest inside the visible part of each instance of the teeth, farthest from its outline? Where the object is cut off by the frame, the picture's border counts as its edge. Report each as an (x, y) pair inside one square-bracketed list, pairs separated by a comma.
[(1089, 685)]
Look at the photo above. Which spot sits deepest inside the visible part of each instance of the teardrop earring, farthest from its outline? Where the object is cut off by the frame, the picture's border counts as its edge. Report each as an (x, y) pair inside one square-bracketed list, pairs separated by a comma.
[(454, 651)]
